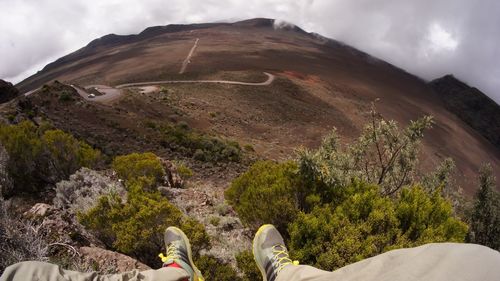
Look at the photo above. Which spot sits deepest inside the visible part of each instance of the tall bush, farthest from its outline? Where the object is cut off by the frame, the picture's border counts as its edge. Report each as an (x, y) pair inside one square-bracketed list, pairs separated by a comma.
[(384, 155), (485, 218)]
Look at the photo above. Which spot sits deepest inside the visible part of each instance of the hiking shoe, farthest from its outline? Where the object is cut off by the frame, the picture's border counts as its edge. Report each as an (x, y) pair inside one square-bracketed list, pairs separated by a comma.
[(179, 252), (270, 252)]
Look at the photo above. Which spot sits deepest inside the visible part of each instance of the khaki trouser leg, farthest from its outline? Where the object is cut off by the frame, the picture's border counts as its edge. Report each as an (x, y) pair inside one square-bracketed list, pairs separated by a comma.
[(431, 262), (41, 271)]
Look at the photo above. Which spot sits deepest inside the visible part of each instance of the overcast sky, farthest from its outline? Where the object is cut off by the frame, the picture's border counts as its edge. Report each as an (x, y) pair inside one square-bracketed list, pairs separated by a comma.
[(429, 38)]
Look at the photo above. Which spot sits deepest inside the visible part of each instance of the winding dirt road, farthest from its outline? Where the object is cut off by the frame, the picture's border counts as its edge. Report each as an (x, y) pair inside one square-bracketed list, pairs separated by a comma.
[(112, 93)]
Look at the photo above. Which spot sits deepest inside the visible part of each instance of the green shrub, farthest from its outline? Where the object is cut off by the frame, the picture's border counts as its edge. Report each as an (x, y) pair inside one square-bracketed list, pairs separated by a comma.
[(65, 96), (485, 217), (214, 220), (266, 193), (136, 226), (201, 147), (214, 269), (25, 149), (222, 209), (427, 218), (247, 266), (144, 167), (249, 148), (366, 224), (38, 155), (383, 154), (342, 205), (67, 153), (184, 171)]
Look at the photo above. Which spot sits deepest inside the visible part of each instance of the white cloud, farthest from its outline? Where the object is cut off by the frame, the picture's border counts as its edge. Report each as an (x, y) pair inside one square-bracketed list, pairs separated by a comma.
[(426, 37)]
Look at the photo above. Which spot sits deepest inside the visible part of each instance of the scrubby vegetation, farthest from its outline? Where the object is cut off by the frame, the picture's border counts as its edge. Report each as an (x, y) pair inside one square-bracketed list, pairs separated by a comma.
[(143, 167), (485, 217), (266, 193), (246, 264), (134, 225), (39, 155), (20, 240), (214, 269), (184, 171), (180, 137), (337, 205), (366, 223)]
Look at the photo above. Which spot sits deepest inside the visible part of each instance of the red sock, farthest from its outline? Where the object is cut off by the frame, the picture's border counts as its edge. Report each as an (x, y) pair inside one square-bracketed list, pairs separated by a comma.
[(175, 265)]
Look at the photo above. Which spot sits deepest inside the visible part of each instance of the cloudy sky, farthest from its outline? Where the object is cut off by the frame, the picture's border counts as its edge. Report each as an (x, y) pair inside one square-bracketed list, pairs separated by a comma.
[(426, 37)]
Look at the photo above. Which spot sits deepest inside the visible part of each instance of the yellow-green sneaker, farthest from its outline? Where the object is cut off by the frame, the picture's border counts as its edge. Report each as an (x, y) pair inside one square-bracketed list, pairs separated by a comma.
[(270, 252), (179, 252)]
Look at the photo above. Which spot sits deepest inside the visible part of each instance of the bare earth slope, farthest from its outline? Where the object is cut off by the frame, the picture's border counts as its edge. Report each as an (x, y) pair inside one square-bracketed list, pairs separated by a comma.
[(320, 84)]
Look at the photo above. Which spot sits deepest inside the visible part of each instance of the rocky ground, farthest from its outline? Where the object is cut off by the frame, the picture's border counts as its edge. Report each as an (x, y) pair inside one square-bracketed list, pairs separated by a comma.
[(63, 237)]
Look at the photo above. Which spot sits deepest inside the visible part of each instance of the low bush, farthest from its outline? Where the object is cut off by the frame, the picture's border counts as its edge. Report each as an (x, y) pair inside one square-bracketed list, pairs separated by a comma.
[(136, 226), (144, 167), (184, 171), (67, 153), (248, 267), (214, 269), (266, 193), (201, 147), (366, 224), (39, 155)]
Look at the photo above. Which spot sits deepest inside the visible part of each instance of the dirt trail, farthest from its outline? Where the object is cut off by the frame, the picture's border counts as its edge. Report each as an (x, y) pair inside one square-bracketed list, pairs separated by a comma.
[(270, 79), (112, 93), (188, 58)]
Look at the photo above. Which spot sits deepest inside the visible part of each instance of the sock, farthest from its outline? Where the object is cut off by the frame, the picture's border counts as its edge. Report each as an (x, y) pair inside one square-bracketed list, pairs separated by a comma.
[(175, 265)]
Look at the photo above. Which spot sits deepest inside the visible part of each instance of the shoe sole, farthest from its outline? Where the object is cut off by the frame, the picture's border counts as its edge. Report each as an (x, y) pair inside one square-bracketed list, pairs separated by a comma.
[(197, 273), (255, 249)]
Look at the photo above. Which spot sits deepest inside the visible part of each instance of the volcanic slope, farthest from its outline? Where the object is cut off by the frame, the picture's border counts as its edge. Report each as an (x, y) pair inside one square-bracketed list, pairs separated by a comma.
[(320, 84)]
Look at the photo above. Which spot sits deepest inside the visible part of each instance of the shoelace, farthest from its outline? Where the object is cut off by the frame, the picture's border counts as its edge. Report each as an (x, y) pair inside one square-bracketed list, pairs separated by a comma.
[(172, 253), (281, 256)]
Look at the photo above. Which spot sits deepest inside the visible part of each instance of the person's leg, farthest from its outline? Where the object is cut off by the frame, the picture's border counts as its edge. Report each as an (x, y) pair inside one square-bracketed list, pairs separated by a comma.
[(41, 271), (178, 265), (433, 262)]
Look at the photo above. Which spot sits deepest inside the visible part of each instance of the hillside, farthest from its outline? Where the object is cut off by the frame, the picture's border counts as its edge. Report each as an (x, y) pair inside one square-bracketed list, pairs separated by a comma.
[(320, 84), (471, 105)]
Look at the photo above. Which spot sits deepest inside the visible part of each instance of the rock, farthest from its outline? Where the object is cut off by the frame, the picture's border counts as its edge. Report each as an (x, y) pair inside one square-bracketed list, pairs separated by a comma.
[(39, 210), (172, 177), (109, 261), (7, 91)]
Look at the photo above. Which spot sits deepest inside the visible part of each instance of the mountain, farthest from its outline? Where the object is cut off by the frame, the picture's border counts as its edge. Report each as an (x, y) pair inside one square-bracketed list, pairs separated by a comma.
[(471, 105), (319, 83), (7, 91)]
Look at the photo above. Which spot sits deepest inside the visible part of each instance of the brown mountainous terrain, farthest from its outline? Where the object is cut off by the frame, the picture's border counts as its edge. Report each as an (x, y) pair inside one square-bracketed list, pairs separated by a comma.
[(318, 84)]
